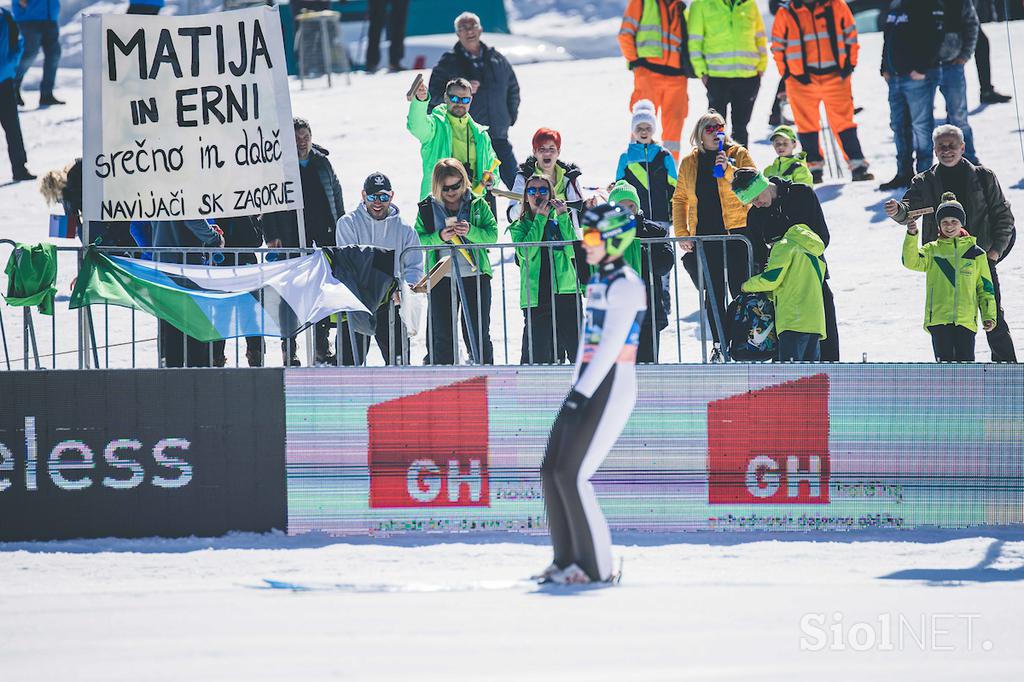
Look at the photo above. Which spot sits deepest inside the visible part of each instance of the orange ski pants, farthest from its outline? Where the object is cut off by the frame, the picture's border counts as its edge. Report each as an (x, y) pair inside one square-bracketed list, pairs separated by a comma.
[(805, 101), (668, 93)]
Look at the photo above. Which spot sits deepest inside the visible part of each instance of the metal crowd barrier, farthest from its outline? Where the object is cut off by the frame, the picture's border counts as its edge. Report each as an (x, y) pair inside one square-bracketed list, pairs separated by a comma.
[(111, 336)]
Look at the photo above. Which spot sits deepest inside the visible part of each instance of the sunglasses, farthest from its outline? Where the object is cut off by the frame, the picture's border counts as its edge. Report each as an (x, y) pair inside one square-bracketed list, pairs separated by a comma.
[(531, 191), (383, 197), (452, 188), (713, 128), (455, 99), (592, 237)]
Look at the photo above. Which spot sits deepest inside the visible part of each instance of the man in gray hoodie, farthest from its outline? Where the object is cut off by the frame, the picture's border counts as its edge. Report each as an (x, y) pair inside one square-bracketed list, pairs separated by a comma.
[(377, 223)]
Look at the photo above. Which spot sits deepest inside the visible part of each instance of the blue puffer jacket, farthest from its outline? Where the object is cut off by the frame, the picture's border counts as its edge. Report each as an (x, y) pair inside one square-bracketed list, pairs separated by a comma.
[(36, 10), (12, 43), (151, 3)]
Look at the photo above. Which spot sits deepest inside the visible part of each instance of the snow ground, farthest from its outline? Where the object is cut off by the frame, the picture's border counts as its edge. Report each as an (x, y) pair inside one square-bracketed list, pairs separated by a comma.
[(921, 605), (879, 303)]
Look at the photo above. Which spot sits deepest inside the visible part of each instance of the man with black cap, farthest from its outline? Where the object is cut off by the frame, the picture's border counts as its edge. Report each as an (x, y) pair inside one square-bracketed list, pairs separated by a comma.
[(376, 223), (776, 205)]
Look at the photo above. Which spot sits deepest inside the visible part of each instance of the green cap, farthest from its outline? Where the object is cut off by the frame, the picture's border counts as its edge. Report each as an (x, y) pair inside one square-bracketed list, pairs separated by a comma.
[(623, 190), (785, 131)]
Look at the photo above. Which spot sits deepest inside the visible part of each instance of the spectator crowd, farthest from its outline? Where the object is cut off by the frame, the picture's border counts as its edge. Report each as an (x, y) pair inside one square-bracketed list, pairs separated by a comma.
[(703, 189)]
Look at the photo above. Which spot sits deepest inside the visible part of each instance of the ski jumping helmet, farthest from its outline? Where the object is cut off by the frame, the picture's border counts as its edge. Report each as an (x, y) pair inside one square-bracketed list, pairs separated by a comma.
[(611, 224)]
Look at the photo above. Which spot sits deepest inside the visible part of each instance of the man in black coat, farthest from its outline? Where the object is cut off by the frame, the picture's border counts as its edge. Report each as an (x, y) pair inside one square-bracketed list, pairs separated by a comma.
[(780, 206), (989, 218), (494, 86), (323, 206)]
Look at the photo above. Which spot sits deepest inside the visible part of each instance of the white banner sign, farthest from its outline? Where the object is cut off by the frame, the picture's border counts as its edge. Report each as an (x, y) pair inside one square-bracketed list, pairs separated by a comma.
[(187, 117)]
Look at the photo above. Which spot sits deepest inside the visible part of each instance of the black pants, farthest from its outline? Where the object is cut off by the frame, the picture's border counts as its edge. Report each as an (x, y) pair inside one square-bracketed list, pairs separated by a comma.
[(776, 116), (179, 350), (798, 347), (507, 169), (829, 348), (553, 338), (739, 93), (12, 126), (981, 61), (999, 341), (253, 352), (952, 343), (142, 9), (321, 341), (736, 258), (442, 347), (395, 20), (387, 337), (580, 440)]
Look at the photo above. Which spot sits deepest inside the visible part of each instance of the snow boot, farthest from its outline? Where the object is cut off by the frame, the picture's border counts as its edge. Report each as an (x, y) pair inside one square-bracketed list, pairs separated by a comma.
[(990, 96), (899, 182)]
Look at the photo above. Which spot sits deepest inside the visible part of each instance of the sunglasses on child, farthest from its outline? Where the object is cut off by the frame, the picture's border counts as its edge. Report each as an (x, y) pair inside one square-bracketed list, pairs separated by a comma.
[(533, 191), (713, 128), (452, 188), (382, 197), (455, 99)]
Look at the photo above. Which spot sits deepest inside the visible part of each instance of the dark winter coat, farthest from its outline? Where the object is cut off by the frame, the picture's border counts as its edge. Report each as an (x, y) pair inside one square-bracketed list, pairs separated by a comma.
[(961, 26), (283, 225), (913, 34), (989, 217), (652, 267), (796, 204), (496, 102)]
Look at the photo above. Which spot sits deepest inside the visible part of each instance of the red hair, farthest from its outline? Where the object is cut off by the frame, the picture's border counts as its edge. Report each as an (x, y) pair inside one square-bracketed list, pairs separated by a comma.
[(547, 135)]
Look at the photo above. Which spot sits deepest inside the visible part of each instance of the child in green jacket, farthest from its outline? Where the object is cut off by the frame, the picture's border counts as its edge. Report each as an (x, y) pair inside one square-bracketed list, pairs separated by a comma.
[(789, 165), (546, 276), (958, 283), (794, 276)]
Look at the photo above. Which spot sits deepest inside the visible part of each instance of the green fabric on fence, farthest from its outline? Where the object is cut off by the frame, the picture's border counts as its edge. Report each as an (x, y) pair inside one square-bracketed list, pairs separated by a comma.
[(31, 274)]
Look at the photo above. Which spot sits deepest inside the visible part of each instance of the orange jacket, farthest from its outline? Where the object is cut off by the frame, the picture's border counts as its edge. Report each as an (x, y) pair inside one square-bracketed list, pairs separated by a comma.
[(814, 38), (684, 200), (667, 40)]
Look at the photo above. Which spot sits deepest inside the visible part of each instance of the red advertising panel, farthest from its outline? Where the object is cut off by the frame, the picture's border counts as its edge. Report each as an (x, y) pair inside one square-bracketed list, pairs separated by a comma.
[(770, 445), (430, 449)]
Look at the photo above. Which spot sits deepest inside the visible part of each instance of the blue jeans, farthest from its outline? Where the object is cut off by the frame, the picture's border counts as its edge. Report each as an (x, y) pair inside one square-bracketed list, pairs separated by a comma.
[(912, 120), (953, 87), (45, 34), (799, 347)]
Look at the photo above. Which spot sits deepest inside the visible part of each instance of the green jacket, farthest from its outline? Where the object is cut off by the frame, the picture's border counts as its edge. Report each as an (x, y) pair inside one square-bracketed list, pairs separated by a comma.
[(435, 135), (794, 276), (727, 39), (483, 229), (792, 168), (31, 273), (564, 258), (958, 281)]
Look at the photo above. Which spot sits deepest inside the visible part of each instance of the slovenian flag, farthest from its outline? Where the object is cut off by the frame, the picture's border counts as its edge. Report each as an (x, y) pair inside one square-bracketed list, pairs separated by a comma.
[(209, 303)]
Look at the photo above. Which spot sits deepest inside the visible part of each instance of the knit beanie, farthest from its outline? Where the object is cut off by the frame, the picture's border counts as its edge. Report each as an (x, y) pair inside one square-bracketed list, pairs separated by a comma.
[(643, 112), (623, 190), (951, 208)]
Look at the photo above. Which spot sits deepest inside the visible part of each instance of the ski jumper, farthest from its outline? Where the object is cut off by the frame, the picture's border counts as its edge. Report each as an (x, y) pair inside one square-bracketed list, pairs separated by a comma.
[(591, 419)]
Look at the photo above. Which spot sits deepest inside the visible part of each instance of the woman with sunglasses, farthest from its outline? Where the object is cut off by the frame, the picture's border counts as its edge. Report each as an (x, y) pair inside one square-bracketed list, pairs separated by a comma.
[(551, 330), (564, 177), (599, 404), (704, 204), (453, 215)]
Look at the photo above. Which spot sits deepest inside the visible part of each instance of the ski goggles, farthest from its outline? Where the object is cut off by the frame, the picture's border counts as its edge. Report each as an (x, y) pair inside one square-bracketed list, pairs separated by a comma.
[(592, 237), (455, 99), (713, 128), (532, 191), (452, 188), (382, 197)]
